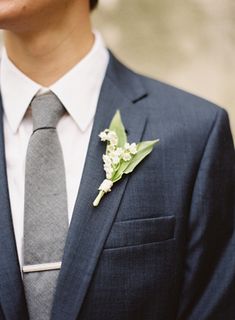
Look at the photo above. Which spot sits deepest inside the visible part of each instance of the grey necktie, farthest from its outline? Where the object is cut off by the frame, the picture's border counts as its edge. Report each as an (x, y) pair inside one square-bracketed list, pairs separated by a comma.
[(46, 214)]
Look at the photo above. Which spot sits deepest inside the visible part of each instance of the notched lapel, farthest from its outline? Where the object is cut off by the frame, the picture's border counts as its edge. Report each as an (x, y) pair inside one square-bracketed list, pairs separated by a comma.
[(12, 297), (90, 226)]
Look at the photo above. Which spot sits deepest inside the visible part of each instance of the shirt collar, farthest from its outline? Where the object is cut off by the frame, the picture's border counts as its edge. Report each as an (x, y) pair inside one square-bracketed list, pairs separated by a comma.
[(78, 89)]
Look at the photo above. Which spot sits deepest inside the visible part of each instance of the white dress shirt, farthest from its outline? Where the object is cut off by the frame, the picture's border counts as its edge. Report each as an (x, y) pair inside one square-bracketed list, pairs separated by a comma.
[(78, 90)]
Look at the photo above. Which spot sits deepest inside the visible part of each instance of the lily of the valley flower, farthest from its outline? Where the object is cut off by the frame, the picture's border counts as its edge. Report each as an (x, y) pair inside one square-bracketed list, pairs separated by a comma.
[(121, 157), (115, 154)]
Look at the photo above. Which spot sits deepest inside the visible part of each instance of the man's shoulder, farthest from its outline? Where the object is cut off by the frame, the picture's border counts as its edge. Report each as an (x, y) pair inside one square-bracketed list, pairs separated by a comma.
[(167, 95), (172, 96), (175, 107)]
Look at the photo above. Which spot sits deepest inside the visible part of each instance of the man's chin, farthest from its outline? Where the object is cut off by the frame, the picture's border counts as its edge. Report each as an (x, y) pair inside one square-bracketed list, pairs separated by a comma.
[(9, 22), (14, 23), (7, 25), (14, 16)]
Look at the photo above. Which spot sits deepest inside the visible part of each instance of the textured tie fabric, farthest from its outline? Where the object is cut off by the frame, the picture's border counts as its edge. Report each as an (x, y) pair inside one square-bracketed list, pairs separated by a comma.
[(46, 214)]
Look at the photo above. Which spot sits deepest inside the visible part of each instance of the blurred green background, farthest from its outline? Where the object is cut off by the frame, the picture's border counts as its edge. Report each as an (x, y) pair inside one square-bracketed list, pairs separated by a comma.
[(190, 43)]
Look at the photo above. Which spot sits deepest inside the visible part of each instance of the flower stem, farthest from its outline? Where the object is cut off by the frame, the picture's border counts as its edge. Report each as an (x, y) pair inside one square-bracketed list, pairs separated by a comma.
[(98, 198)]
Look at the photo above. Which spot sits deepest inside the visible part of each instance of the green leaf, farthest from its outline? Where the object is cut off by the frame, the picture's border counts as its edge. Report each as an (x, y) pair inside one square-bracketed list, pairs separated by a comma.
[(117, 126), (144, 148), (120, 171)]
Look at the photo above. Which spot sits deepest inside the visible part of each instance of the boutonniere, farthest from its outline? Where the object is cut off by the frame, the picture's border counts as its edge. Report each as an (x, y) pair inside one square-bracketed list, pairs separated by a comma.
[(121, 157)]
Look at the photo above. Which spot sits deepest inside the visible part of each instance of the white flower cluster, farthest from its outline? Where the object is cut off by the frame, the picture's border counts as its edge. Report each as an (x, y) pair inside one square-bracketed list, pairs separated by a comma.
[(109, 136), (114, 154)]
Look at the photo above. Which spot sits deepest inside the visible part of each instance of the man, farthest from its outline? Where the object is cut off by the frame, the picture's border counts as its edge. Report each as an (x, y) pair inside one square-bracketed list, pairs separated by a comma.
[(161, 244)]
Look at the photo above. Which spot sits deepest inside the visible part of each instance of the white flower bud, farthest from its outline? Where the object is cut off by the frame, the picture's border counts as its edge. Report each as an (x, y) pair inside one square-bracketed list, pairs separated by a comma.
[(104, 135), (107, 160), (108, 168), (112, 138), (133, 148), (119, 152), (115, 159), (126, 156)]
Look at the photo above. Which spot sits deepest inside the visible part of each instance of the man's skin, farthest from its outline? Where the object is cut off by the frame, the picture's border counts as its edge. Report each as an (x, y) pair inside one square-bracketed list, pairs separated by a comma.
[(46, 38)]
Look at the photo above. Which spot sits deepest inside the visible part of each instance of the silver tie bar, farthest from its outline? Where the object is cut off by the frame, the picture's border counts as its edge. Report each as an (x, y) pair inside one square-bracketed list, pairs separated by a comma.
[(42, 267)]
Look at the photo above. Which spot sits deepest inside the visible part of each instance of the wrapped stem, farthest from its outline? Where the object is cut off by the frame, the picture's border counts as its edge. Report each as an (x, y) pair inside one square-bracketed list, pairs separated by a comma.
[(105, 187), (98, 198)]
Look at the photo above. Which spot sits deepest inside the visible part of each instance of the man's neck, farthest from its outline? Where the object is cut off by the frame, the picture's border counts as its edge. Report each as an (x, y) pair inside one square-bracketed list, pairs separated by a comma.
[(46, 55)]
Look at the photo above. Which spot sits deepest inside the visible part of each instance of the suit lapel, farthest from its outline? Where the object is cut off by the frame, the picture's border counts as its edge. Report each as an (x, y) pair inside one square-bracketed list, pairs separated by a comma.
[(90, 226), (11, 288)]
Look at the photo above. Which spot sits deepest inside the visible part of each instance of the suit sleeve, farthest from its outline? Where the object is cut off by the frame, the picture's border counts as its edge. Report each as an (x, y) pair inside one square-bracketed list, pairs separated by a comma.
[(208, 289)]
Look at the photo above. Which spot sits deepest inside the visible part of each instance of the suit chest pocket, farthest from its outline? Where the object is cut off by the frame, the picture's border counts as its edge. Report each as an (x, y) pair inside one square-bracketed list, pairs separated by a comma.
[(140, 231)]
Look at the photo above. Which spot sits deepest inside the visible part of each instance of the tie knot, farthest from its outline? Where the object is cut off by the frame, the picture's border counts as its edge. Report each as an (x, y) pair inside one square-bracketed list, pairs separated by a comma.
[(46, 111)]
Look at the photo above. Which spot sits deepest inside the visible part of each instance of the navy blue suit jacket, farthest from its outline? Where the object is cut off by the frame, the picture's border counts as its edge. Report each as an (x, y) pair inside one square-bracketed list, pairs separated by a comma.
[(161, 245)]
